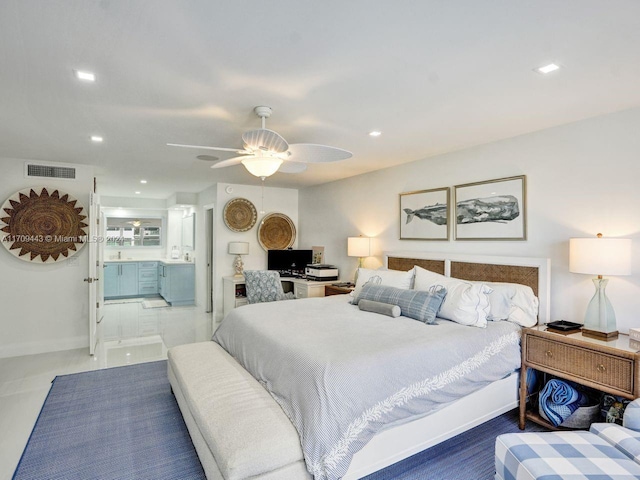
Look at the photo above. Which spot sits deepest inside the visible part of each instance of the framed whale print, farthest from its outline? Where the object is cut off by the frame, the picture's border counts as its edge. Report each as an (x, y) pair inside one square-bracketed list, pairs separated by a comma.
[(491, 210), (424, 214)]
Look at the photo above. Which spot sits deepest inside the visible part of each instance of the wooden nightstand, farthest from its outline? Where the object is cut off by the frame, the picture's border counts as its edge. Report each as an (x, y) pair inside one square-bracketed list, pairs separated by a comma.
[(334, 290), (608, 366)]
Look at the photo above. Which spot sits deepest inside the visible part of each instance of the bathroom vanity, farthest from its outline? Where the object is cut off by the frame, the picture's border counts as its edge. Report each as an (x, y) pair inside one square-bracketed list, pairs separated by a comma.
[(173, 280)]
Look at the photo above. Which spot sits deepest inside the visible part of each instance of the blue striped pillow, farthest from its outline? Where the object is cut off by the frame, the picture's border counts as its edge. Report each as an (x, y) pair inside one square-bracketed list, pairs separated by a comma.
[(418, 304)]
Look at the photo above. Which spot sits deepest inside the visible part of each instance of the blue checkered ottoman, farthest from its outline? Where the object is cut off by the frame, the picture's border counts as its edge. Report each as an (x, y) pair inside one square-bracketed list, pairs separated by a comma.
[(575, 455)]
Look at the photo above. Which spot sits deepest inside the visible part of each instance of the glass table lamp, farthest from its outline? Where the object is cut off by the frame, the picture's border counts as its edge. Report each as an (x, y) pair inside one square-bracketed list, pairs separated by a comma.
[(600, 256)]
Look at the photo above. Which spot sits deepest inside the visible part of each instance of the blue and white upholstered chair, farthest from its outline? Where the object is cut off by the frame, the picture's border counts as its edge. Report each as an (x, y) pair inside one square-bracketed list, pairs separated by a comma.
[(264, 286)]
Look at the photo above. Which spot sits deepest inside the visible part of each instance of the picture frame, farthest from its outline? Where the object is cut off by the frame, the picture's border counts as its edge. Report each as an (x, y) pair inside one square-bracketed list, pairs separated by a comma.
[(318, 254), (424, 214), (491, 210)]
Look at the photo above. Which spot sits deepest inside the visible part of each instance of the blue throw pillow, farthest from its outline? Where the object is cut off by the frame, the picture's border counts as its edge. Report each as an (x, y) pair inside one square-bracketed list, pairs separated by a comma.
[(418, 304)]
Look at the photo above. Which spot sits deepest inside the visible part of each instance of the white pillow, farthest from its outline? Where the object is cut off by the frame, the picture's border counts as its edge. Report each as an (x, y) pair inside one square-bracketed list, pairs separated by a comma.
[(466, 303), (389, 278), (513, 302)]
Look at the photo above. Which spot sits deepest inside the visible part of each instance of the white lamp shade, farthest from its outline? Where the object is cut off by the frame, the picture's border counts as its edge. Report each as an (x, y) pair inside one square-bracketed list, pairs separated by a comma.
[(600, 256), (262, 167), (358, 246), (239, 248)]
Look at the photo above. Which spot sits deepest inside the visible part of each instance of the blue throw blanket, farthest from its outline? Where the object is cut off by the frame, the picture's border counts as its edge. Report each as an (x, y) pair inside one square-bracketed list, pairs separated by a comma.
[(559, 399)]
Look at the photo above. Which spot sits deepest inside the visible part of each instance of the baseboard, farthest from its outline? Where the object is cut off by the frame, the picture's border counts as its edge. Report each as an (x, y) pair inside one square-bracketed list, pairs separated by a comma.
[(44, 346)]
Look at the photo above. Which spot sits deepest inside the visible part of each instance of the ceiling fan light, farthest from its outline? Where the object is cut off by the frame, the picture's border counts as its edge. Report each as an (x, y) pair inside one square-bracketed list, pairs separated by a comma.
[(262, 167)]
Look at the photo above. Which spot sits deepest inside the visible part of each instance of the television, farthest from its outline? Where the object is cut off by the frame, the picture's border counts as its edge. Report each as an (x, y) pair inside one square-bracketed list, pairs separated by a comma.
[(289, 262)]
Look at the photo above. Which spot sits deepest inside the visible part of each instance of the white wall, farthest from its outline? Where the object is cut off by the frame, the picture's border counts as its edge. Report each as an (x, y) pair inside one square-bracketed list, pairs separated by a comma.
[(44, 306), (582, 178), (280, 200)]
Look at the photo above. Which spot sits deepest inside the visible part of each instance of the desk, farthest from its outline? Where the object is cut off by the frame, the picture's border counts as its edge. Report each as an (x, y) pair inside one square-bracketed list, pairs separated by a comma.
[(234, 294)]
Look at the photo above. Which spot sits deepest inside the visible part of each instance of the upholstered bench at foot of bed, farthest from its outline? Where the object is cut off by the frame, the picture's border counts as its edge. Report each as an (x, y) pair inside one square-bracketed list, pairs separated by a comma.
[(572, 455), (237, 428)]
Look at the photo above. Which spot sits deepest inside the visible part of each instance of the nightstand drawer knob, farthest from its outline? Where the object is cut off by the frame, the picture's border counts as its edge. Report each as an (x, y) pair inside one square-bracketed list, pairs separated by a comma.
[(602, 368), (549, 353)]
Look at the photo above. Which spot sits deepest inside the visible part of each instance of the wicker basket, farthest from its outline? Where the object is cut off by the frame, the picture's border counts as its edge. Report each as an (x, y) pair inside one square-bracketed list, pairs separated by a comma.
[(582, 418)]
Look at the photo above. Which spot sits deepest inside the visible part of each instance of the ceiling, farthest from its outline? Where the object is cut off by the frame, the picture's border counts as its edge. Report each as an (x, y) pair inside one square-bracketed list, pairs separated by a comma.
[(433, 76)]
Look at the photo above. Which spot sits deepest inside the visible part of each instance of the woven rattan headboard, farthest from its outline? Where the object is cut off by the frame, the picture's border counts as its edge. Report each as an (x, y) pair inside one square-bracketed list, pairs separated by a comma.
[(533, 272), (404, 264)]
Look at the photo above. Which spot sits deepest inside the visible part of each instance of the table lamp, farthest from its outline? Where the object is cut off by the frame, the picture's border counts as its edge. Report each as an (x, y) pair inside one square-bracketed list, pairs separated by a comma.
[(600, 256), (238, 249), (358, 247)]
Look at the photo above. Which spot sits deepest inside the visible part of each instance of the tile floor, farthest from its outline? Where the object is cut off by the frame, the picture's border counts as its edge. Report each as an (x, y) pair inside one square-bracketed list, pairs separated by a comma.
[(130, 334)]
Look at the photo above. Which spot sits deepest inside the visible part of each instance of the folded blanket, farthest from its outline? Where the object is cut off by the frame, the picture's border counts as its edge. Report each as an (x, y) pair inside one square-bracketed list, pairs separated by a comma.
[(559, 399)]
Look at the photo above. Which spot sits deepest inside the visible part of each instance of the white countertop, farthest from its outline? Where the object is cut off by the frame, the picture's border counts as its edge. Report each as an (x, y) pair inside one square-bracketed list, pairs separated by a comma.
[(161, 260)]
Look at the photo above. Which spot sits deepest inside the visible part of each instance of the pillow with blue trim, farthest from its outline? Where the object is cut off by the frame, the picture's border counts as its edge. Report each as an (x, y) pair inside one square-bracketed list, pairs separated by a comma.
[(416, 304)]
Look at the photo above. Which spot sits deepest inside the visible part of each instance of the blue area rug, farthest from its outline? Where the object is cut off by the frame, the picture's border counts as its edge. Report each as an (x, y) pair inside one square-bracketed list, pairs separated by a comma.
[(124, 423), (111, 424)]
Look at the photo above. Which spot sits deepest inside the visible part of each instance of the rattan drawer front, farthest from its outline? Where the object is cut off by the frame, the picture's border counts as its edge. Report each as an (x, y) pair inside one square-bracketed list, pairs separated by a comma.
[(581, 363)]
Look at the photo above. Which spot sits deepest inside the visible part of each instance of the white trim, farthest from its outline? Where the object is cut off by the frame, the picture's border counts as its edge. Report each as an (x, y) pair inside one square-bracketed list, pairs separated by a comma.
[(542, 264)]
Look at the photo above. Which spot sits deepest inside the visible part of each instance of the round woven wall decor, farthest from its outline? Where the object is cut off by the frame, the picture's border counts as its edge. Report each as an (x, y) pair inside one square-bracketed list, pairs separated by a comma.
[(239, 215), (276, 232), (42, 225)]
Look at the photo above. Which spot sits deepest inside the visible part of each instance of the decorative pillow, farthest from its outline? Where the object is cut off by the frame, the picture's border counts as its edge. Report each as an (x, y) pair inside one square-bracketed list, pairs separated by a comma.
[(513, 302), (466, 303), (391, 278), (420, 305), (379, 307)]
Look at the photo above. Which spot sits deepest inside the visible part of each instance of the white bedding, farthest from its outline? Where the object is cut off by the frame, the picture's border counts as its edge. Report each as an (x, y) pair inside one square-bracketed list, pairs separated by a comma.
[(342, 374)]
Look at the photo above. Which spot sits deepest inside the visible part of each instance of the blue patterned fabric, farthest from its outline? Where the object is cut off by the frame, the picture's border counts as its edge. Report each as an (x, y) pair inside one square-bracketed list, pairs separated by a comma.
[(417, 304), (264, 286), (561, 456), (631, 417), (624, 439), (558, 400)]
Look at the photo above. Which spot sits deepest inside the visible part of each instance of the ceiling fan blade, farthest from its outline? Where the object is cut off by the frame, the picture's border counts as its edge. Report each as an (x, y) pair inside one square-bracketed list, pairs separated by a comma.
[(292, 167), (229, 163), (263, 139), (222, 149), (312, 153)]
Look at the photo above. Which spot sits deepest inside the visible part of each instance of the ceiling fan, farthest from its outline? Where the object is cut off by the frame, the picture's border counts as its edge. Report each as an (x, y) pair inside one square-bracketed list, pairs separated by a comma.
[(265, 152)]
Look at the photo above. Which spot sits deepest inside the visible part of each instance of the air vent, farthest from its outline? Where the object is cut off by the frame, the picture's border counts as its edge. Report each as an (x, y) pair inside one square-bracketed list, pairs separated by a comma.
[(49, 171)]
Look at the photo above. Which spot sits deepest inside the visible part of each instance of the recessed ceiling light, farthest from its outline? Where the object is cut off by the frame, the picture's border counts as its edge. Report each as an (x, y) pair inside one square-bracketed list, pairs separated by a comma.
[(143, 181), (375, 133), (85, 76), (137, 193), (552, 67), (96, 138)]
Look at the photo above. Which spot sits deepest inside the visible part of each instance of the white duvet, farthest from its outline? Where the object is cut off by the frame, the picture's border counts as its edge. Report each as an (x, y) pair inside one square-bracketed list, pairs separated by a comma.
[(341, 374)]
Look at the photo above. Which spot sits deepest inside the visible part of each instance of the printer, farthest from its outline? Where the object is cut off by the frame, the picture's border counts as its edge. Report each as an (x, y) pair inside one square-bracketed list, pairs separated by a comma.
[(321, 272)]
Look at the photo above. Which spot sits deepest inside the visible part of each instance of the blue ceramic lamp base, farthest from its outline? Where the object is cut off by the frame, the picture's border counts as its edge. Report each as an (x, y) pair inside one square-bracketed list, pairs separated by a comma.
[(600, 319)]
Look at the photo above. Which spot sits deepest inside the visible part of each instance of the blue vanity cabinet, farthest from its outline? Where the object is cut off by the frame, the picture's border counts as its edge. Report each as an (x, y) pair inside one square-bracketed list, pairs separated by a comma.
[(110, 277), (177, 283), (120, 279), (147, 278)]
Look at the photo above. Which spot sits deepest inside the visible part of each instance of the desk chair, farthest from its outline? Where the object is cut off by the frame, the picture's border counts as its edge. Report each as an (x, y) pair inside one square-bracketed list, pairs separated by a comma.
[(264, 286)]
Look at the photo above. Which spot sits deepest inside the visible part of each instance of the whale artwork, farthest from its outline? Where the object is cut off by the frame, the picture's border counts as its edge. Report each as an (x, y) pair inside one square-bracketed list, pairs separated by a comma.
[(501, 209), (435, 213)]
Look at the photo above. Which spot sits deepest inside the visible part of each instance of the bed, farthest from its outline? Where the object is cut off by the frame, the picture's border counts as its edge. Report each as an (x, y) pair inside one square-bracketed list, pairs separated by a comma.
[(288, 351)]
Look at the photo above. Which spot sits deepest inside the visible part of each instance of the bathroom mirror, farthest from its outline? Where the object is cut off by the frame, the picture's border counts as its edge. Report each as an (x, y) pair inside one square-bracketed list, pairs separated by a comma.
[(134, 232), (188, 232)]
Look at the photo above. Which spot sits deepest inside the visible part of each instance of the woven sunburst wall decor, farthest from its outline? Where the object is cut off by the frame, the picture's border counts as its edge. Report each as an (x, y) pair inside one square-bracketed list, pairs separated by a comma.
[(42, 225)]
